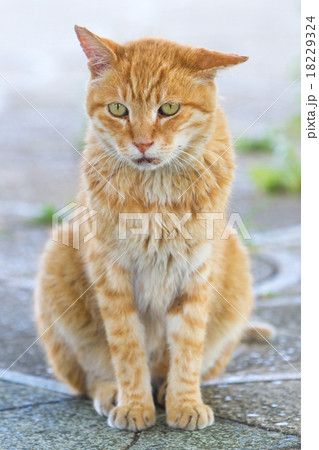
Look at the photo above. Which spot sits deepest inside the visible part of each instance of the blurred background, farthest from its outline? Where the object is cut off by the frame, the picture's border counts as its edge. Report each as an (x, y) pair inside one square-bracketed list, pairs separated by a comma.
[(41, 58), (43, 74)]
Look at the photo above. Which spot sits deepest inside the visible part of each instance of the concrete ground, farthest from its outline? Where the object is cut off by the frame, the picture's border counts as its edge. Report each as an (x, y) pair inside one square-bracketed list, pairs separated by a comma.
[(257, 401)]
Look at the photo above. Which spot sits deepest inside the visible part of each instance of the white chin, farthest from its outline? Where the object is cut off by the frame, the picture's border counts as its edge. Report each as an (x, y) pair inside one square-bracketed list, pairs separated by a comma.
[(146, 165)]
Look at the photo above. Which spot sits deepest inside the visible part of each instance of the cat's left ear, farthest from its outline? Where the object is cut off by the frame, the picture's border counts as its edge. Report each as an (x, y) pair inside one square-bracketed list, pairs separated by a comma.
[(207, 61), (102, 53)]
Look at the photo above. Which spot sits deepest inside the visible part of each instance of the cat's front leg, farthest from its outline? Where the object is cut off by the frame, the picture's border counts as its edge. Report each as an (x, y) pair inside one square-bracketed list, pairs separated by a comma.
[(186, 324), (135, 409)]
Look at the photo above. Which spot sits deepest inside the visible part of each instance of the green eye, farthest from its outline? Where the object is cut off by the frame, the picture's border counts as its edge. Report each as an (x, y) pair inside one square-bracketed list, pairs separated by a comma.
[(118, 110), (169, 109)]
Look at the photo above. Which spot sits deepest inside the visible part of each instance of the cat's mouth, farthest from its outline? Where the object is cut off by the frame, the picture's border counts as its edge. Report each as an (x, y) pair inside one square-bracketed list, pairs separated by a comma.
[(146, 161)]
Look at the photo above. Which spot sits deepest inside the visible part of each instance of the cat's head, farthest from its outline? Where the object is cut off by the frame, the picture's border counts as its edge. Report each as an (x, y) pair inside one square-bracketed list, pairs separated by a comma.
[(151, 102)]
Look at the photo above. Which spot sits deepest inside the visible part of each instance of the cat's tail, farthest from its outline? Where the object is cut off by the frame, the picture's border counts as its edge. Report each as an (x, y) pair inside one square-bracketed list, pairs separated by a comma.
[(259, 332)]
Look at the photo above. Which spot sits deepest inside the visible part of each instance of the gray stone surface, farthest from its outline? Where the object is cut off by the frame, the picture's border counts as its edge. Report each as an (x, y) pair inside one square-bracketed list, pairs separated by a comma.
[(14, 396), (285, 318), (18, 332), (272, 405), (55, 423), (20, 247), (222, 435), (261, 268), (63, 425), (283, 355)]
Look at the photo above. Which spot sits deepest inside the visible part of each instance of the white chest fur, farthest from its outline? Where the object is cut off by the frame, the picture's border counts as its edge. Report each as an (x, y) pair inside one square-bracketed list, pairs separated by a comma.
[(158, 278), (161, 271)]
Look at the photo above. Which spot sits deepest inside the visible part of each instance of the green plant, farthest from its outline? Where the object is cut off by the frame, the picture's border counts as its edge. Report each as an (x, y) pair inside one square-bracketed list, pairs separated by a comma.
[(45, 217), (285, 178), (284, 175), (248, 145)]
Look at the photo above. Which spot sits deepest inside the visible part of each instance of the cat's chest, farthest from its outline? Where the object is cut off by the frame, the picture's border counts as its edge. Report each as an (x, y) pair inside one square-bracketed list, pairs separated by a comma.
[(160, 255), (157, 279), (160, 273)]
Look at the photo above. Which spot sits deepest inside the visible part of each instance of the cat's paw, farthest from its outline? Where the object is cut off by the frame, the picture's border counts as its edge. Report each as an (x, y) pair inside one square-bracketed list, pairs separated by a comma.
[(105, 396), (190, 416), (132, 417)]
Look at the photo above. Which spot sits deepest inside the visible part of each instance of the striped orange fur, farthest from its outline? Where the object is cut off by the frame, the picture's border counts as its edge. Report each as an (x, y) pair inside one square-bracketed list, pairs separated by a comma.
[(165, 307)]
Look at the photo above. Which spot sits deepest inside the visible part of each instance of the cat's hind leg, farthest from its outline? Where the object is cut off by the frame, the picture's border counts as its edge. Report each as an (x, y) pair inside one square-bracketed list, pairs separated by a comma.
[(230, 307), (71, 328), (63, 362), (67, 368), (104, 395), (220, 364)]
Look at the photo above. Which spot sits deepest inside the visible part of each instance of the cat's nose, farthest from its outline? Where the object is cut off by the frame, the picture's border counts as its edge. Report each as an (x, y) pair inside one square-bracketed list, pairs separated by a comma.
[(143, 146)]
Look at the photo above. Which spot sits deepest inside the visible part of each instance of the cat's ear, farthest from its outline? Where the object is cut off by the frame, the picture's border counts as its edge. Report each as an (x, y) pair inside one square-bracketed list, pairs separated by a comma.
[(207, 61), (101, 53)]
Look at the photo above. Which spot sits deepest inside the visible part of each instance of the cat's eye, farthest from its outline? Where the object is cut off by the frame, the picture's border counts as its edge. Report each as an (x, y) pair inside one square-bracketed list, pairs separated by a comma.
[(118, 110), (169, 109)]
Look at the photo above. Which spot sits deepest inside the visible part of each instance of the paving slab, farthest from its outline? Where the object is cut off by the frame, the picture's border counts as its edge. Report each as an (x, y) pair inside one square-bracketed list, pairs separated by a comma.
[(14, 396), (62, 425), (20, 248), (18, 332), (273, 405), (283, 355), (286, 318), (66, 424), (222, 435)]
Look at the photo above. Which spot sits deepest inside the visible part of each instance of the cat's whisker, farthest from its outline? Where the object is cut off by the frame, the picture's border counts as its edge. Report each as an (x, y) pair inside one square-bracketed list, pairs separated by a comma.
[(114, 171), (99, 159), (185, 169), (193, 157), (174, 163), (187, 154), (194, 169), (179, 165), (101, 169), (187, 163), (122, 165)]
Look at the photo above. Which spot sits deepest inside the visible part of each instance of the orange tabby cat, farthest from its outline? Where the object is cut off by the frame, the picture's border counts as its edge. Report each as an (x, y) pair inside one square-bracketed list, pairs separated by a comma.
[(161, 301)]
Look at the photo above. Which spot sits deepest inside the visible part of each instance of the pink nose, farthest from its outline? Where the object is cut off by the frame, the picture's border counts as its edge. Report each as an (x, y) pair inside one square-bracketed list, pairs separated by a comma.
[(143, 146)]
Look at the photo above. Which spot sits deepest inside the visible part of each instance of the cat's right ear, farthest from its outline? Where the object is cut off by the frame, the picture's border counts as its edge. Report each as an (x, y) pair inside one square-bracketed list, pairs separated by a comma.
[(207, 62), (101, 52)]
